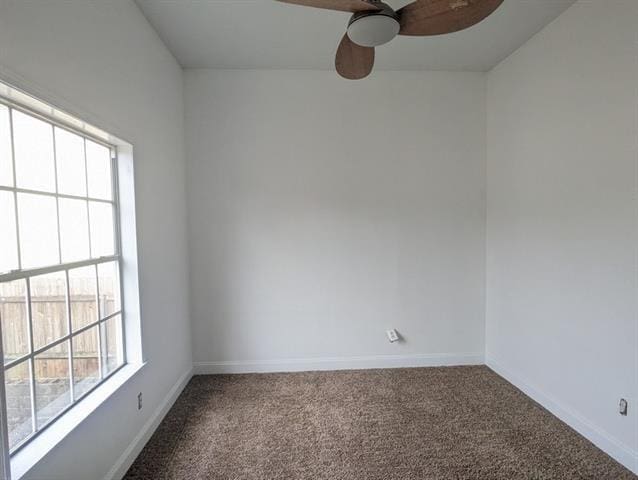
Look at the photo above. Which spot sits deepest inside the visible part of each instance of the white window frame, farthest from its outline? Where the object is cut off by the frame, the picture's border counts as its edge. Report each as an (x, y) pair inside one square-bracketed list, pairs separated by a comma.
[(27, 454), (29, 273)]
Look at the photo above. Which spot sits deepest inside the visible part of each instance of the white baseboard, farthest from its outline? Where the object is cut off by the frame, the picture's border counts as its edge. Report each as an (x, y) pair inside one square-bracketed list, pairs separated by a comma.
[(137, 444), (338, 363), (603, 440)]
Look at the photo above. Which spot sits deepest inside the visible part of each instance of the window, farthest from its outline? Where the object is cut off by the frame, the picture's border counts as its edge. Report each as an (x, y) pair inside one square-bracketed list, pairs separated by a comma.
[(61, 318)]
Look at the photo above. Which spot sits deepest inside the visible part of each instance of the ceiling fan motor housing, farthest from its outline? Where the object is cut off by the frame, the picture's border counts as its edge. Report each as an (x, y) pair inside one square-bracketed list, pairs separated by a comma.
[(371, 29)]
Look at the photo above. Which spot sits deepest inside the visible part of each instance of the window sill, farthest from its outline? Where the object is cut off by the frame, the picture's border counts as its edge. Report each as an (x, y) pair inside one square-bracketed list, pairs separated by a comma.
[(28, 456)]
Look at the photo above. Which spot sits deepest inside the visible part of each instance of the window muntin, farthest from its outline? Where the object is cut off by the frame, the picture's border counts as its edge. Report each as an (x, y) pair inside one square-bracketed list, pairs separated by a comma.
[(60, 291)]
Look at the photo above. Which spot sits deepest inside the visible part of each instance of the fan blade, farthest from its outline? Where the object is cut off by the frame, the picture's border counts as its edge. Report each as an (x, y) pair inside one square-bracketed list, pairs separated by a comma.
[(436, 17), (352, 6), (354, 61)]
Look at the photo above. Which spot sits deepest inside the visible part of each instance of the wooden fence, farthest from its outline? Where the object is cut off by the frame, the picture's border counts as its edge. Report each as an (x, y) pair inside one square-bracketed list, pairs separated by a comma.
[(49, 317)]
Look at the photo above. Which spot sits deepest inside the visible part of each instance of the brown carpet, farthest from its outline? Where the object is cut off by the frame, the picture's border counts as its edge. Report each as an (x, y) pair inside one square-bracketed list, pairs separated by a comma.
[(407, 424)]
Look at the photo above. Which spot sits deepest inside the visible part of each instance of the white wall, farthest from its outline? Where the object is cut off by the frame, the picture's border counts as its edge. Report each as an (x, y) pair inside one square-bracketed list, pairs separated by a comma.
[(103, 61), (323, 212), (562, 284)]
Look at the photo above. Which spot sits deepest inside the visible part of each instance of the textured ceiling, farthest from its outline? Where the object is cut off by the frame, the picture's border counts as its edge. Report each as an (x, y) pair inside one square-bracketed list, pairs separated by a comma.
[(269, 34)]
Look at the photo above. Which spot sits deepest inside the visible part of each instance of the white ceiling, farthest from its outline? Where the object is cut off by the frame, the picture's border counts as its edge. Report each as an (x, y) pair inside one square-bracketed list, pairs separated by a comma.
[(269, 34)]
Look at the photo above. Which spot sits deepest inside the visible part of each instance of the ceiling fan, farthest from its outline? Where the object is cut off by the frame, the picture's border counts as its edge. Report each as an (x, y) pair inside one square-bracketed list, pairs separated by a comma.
[(374, 23)]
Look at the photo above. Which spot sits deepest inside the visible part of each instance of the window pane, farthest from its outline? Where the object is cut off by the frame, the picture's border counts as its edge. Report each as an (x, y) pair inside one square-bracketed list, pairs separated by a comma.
[(112, 354), (60, 210), (48, 308), (102, 234), (74, 230), (6, 166), (69, 155), (98, 166), (33, 144), (13, 312), (8, 240), (17, 383), (83, 290), (52, 384), (37, 216), (86, 365), (109, 283)]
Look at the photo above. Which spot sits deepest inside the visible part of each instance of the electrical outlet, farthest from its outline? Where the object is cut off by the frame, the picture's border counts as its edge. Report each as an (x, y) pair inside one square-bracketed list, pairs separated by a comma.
[(392, 334), (622, 408), (139, 401)]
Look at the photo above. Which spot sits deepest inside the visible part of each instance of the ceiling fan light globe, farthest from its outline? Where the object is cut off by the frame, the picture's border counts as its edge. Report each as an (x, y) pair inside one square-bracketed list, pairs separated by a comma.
[(372, 30)]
